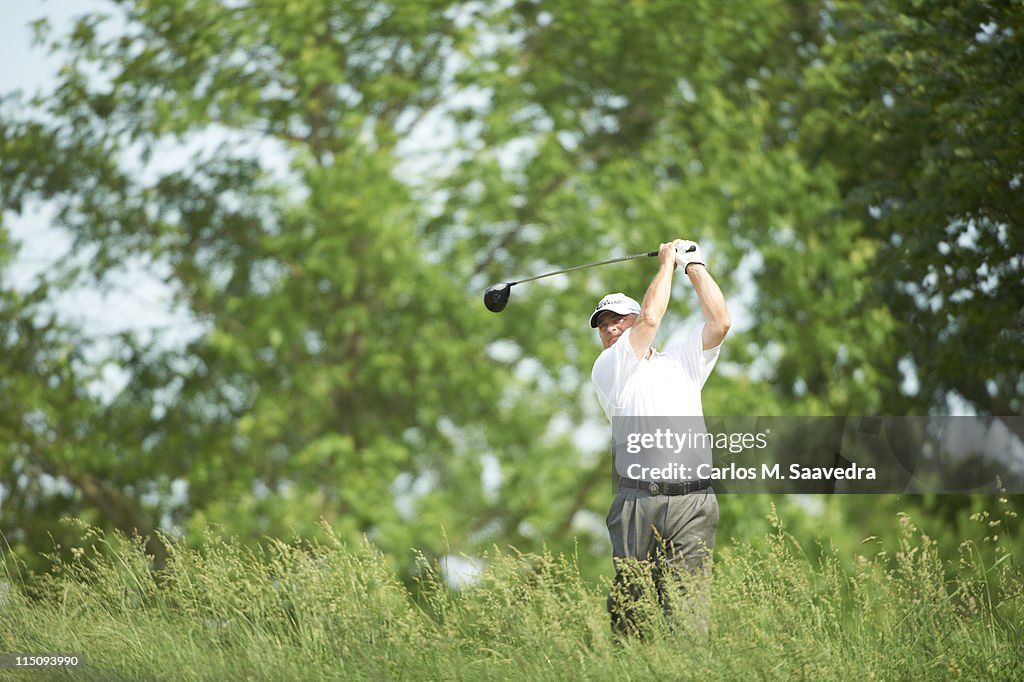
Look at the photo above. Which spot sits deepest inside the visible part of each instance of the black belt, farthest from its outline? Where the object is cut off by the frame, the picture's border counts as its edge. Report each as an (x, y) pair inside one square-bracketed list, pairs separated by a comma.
[(666, 488)]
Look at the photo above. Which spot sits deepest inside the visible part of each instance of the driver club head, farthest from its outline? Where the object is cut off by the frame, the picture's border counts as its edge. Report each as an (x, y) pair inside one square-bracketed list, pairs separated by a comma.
[(496, 297)]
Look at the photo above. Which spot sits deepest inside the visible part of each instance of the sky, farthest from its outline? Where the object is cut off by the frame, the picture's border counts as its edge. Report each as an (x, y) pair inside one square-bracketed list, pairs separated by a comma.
[(138, 301), (24, 66)]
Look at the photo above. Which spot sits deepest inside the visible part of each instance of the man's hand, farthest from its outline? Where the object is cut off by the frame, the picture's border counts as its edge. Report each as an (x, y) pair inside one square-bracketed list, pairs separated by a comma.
[(667, 253), (688, 253)]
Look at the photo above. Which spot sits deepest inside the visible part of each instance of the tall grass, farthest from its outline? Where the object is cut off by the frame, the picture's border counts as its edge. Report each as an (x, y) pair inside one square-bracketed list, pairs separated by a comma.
[(332, 611)]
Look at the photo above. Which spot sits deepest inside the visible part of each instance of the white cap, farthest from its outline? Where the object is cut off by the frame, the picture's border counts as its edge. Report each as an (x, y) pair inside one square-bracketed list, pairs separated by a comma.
[(617, 303)]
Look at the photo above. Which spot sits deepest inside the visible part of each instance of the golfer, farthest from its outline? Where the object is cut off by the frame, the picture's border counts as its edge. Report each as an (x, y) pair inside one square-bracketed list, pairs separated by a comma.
[(666, 528)]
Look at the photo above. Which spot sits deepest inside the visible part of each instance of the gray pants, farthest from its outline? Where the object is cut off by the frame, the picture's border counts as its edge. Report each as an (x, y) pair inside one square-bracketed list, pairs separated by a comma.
[(667, 540)]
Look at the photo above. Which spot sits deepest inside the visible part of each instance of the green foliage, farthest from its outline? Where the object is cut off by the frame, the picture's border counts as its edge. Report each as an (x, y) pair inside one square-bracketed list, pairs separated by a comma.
[(333, 610), (925, 139), (327, 187)]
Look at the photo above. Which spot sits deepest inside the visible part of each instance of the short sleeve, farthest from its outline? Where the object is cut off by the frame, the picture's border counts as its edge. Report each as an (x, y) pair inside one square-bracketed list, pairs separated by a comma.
[(696, 361), (611, 370)]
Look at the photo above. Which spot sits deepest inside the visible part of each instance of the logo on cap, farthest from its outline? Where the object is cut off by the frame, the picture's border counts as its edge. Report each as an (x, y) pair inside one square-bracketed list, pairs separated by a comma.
[(618, 303)]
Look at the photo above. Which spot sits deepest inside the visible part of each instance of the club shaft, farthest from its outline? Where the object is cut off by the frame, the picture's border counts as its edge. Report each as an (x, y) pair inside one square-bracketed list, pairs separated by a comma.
[(588, 265)]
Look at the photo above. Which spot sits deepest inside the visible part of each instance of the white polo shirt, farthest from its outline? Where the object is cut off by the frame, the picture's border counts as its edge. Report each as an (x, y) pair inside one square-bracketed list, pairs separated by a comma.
[(663, 384), (638, 395)]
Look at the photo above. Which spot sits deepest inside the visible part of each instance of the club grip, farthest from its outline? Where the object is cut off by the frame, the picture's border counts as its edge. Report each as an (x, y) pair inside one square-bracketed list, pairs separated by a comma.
[(655, 253)]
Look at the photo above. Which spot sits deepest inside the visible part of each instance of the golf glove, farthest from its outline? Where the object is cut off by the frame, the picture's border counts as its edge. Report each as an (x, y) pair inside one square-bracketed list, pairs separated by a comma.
[(684, 256)]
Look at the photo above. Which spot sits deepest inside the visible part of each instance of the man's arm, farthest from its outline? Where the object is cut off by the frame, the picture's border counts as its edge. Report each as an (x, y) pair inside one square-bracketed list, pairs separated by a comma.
[(655, 303), (716, 316)]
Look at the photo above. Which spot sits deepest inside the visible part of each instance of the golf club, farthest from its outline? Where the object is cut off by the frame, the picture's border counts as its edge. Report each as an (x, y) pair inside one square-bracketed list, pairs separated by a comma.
[(496, 297)]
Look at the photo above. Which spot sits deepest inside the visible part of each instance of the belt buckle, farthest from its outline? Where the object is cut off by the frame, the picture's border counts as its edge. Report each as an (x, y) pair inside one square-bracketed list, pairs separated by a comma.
[(653, 488)]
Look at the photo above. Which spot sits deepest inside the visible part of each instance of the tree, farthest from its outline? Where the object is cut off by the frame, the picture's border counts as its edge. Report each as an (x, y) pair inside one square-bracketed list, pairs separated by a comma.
[(927, 140), (328, 187), (334, 352)]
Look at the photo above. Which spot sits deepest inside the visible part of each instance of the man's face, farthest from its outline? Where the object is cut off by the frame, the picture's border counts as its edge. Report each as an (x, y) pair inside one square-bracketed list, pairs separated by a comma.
[(610, 326)]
